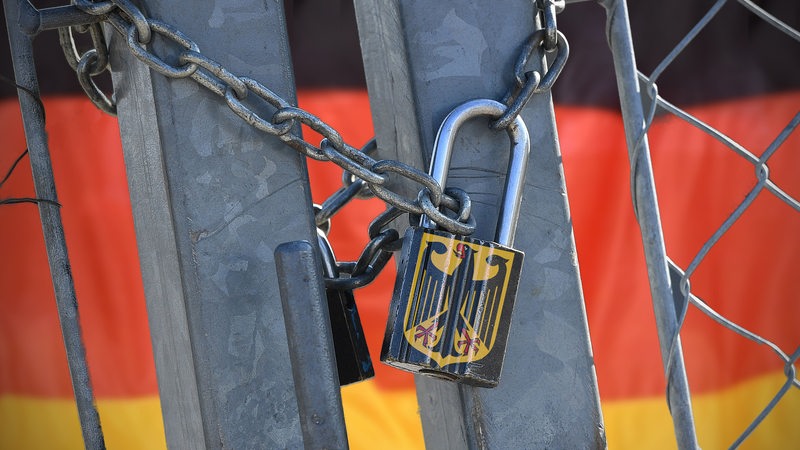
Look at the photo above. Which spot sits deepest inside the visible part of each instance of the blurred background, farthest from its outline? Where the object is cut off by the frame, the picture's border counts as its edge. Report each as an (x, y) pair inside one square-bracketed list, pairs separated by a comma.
[(740, 74)]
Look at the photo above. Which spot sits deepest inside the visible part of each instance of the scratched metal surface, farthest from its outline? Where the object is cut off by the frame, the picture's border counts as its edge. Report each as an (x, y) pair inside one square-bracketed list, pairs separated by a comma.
[(212, 200)]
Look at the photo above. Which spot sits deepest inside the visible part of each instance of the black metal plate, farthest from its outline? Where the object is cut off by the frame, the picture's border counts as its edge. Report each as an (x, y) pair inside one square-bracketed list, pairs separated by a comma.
[(352, 355)]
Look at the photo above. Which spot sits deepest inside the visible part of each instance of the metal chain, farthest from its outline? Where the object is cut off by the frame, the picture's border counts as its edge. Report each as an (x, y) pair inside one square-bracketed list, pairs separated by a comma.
[(431, 199), (91, 63), (352, 188), (383, 242), (247, 98), (529, 82)]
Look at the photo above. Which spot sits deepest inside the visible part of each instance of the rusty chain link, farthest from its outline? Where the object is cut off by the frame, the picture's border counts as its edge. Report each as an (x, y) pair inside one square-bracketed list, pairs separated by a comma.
[(363, 176)]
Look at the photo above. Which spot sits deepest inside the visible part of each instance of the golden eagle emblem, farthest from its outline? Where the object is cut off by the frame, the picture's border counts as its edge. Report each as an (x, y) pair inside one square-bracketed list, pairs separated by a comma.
[(456, 298)]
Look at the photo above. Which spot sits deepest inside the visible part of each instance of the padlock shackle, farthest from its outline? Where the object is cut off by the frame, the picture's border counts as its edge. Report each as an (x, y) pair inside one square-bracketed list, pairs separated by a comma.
[(329, 269), (517, 164)]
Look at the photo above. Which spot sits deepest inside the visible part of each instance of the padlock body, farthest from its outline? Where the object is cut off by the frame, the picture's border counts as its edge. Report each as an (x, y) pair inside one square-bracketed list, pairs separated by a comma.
[(350, 346), (451, 308)]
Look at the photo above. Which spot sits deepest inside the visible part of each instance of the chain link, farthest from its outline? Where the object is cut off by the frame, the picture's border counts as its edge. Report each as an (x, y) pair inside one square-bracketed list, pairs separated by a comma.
[(413, 174), (455, 200), (379, 224), (89, 64), (529, 82), (88, 60), (348, 178), (335, 202), (371, 262), (363, 176), (250, 116), (548, 8), (383, 242), (352, 188)]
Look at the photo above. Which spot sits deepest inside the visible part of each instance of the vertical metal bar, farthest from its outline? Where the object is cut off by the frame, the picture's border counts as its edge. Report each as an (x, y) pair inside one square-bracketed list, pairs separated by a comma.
[(212, 198), (308, 330), (158, 250), (678, 397), (422, 59), (52, 227)]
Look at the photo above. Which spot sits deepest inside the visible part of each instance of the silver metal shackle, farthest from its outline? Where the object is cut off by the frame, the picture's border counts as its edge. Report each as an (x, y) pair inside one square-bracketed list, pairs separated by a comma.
[(517, 163), (329, 269)]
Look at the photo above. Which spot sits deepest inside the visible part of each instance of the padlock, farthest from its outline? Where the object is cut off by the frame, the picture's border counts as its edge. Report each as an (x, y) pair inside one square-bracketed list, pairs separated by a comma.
[(353, 362), (451, 307)]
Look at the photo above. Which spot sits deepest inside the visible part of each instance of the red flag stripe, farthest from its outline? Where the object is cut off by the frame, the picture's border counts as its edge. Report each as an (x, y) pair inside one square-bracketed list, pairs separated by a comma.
[(700, 182)]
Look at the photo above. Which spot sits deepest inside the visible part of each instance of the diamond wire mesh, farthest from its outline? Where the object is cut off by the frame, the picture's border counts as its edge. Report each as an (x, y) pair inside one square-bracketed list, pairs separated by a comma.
[(656, 106)]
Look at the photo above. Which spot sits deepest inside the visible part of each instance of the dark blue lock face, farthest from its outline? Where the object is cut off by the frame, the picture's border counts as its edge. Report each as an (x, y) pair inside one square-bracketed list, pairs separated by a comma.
[(451, 309)]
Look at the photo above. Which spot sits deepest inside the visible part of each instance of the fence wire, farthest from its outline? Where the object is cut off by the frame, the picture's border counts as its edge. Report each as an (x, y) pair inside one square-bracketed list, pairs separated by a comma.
[(38, 152), (656, 106)]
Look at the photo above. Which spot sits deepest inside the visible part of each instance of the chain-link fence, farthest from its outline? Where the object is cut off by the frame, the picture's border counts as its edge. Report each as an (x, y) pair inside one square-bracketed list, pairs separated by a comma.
[(738, 274)]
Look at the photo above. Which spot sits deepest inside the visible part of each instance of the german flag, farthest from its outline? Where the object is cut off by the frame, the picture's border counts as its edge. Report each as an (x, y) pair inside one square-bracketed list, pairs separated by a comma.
[(740, 75)]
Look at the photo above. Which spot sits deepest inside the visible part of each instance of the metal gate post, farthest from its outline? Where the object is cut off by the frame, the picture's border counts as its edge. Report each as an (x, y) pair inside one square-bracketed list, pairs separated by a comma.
[(422, 59), (212, 199), (647, 214), (52, 227)]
